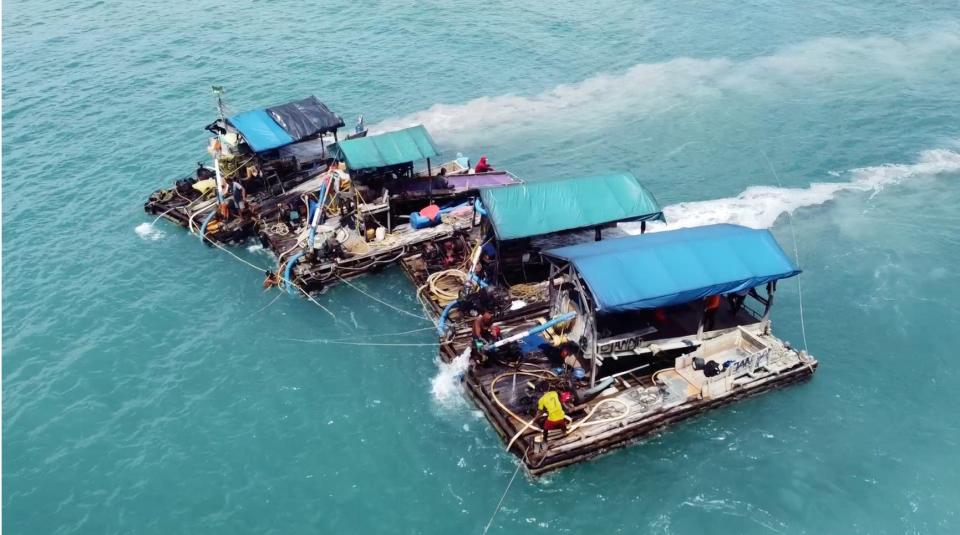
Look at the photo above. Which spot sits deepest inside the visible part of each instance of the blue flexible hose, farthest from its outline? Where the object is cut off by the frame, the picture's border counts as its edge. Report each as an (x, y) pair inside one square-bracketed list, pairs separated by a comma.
[(286, 274), (203, 227), (442, 324)]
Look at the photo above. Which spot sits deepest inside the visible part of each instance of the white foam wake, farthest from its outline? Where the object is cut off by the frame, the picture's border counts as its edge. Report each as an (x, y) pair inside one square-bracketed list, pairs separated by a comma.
[(148, 231), (445, 385), (650, 88), (760, 206)]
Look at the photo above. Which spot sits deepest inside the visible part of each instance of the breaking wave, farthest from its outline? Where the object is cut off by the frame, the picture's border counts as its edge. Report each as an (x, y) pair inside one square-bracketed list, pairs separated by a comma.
[(649, 88), (761, 206)]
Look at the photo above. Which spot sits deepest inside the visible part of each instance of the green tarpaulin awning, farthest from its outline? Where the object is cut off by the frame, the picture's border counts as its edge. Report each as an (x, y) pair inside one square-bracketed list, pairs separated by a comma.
[(537, 208), (392, 148)]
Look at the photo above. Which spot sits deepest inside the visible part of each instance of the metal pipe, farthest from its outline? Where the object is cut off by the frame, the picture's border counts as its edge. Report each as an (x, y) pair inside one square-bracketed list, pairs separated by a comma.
[(631, 370), (318, 212), (430, 178), (702, 308), (216, 170), (771, 289)]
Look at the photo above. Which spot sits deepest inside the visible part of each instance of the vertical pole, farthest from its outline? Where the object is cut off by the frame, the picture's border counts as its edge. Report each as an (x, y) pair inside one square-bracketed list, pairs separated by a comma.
[(216, 169), (703, 304), (771, 290), (550, 287), (336, 142), (643, 227), (593, 350), (430, 178), (597, 236)]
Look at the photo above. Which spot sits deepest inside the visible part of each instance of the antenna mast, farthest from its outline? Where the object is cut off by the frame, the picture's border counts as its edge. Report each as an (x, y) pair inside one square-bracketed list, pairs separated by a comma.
[(218, 91)]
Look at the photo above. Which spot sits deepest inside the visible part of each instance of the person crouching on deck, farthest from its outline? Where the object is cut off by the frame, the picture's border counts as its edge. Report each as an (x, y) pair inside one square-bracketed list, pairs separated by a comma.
[(550, 409), (482, 166), (483, 333)]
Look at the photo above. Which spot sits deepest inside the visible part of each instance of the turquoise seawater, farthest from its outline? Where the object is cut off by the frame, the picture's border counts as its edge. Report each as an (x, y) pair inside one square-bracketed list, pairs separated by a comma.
[(149, 386)]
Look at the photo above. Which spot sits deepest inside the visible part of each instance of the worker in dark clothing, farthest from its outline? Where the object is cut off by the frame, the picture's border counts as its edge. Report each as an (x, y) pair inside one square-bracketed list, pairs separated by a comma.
[(440, 181), (737, 299), (235, 197), (485, 266)]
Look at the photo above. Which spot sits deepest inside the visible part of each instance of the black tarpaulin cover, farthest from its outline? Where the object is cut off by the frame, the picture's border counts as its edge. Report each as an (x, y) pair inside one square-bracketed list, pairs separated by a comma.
[(304, 118)]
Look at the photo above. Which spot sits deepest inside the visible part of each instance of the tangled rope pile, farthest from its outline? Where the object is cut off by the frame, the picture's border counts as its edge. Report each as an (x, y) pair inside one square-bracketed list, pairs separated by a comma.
[(279, 229), (528, 292), (445, 285)]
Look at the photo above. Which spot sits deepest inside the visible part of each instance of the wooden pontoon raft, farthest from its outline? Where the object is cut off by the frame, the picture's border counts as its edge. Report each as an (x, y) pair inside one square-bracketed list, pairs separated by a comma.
[(517, 221), (641, 353), (267, 151), (344, 222)]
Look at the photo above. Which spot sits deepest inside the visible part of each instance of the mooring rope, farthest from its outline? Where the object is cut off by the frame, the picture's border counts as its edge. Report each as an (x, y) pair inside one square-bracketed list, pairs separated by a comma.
[(796, 254), (502, 497), (264, 270), (380, 335), (349, 343), (272, 301), (382, 302), (350, 339)]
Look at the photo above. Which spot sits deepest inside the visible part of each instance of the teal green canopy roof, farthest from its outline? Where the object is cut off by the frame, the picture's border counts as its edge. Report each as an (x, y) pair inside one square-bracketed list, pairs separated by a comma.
[(392, 148), (537, 208)]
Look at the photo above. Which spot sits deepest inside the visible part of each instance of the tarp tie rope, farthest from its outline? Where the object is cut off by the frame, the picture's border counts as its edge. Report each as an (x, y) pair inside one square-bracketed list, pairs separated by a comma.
[(378, 344), (796, 254), (264, 270)]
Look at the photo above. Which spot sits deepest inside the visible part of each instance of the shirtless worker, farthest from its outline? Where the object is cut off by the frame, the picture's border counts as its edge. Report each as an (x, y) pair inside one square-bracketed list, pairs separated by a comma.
[(483, 333)]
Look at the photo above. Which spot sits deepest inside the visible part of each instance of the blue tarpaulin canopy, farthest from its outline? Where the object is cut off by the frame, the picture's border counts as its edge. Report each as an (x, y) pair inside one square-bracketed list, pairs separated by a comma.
[(270, 128), (545, 207), (392, 148), (675, 267), (260, 130)]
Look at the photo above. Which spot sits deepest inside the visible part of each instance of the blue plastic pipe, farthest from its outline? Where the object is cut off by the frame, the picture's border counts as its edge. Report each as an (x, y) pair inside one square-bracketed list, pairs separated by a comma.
[(442, 324), (286, 273), (528, 332), (313, 229), (203, 227), (478, 280)]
